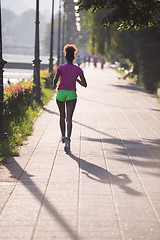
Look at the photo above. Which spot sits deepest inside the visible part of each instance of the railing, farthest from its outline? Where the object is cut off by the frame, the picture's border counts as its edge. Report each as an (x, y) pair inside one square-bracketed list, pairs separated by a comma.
[(17, 65)]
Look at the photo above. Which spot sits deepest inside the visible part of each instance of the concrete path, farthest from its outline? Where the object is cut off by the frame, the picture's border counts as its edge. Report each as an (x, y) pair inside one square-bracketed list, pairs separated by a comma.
[(108, 188)]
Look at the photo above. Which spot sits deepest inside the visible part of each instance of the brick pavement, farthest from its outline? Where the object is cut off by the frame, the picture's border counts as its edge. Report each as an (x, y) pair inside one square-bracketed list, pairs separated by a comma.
[(108, 188)]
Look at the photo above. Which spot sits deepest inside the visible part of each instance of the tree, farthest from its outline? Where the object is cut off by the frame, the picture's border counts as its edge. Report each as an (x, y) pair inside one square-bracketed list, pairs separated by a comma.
[(19, 31), (71, 34), (71, 31), (138, 47), (24, 28), (46, 37), (148, 57), (7, 18), (83, 36), (130, 14)]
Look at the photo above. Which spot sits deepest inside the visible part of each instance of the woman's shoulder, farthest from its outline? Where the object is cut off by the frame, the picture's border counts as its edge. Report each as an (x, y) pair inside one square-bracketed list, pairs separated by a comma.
[(59, 67), (77, 67)]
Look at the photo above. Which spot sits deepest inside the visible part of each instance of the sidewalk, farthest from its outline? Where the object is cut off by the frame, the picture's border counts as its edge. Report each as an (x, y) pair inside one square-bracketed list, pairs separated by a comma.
[(108, 188)]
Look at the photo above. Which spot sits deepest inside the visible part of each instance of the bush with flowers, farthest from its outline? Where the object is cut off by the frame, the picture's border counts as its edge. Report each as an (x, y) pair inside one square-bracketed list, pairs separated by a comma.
[(18, 95), (20, 110)]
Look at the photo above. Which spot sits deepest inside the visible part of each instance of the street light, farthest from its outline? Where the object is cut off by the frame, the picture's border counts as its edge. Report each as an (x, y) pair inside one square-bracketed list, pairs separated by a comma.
[(77, 16), (51, 41), (36, 61), (59, 35), (63, 33), (2, 63)]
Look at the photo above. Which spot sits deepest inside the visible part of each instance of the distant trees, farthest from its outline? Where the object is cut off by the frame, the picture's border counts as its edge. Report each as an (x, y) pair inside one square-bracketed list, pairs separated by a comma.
[(71, 34), (19, 30), (7, 18), (46, 37), (140, 47), (71, 30), (23, 28)]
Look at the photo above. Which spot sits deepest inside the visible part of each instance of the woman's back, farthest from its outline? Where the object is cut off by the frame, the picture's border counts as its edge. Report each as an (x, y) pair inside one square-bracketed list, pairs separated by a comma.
[(68, 76)]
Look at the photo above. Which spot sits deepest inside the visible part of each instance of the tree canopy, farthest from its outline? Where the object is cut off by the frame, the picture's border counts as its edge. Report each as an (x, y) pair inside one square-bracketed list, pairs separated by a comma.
[(130, 14)]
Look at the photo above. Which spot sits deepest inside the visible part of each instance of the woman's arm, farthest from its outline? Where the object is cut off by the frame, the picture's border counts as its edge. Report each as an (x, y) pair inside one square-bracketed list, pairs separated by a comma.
[(55, 80), (82, 82)]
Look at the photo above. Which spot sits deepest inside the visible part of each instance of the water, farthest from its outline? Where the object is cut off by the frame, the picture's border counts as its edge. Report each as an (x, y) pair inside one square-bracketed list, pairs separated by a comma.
[(23, 58), (14, 75)]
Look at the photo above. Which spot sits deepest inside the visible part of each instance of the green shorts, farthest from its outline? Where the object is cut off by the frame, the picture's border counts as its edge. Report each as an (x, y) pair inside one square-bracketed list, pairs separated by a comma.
[(66, 95)]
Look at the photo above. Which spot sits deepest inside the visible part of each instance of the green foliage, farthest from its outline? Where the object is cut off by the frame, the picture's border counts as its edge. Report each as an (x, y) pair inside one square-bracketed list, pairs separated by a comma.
[(83, 38), (97, 33), (129, 14), (20, 112), (139, 48), (148, 58), (46, 94), (71, 34), (47, 78), (158, 93), (132, 77)]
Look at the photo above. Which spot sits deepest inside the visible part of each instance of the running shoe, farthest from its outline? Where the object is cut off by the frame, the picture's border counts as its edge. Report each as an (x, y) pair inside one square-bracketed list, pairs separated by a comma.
[(63, 139), (67, 145)]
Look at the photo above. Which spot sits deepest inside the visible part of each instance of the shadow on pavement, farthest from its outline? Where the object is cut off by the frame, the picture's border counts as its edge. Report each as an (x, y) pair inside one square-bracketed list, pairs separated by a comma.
[(133, 149), (84, 125), (101, 175), (131, 87), (20, 174), (133, 145)]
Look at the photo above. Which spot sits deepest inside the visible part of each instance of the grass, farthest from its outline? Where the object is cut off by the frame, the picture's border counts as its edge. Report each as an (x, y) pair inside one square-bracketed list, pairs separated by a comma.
[(131, 77), (134, 79), (158, 94), (19, 127)]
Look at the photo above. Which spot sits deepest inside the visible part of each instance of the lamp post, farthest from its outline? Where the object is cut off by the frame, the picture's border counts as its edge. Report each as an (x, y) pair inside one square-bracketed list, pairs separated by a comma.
[(59, 35), (37, 61), (2, 63), (63, 33), (51, 41)]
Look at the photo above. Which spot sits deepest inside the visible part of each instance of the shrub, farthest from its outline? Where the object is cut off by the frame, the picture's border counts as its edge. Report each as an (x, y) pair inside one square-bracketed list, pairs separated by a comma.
[(20, 112), (47, 78), (148, 58)]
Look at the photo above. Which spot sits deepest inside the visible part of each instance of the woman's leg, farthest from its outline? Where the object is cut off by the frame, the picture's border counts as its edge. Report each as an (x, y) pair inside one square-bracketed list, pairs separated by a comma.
[(70, 109), (61, 106)]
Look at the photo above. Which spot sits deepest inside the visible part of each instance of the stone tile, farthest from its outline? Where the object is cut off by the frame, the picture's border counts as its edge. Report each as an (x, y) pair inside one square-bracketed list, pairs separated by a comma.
[(141, 230), (108, 188)]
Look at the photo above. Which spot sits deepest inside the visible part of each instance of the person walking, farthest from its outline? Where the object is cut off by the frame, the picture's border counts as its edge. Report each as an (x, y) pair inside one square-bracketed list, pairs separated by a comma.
[(78, 60), (89, 60), (102, 62), (66, 96), (95, 61)]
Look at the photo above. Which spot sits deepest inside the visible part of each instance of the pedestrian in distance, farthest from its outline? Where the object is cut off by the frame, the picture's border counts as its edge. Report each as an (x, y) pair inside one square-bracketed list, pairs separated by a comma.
[(95, 61), (78, 60), (66, 97), (89, 60), (84, 61), (102, 62)]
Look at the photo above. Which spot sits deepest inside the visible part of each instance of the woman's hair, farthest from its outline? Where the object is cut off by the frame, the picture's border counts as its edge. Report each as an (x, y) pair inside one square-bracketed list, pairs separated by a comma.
[(70, 51)]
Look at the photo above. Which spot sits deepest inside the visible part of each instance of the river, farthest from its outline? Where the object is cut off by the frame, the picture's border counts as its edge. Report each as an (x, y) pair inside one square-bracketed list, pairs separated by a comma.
[(14, 75)]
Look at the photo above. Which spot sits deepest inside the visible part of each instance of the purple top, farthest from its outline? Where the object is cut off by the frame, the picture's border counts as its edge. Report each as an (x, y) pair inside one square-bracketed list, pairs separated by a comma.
[(68, 76)]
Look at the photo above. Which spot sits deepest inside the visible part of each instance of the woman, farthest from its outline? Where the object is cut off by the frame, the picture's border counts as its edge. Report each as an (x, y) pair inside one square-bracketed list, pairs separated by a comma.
[(66, 96)]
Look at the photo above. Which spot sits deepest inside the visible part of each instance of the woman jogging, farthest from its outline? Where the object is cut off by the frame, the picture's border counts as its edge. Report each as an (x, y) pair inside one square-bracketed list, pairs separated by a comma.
[(66, 96)]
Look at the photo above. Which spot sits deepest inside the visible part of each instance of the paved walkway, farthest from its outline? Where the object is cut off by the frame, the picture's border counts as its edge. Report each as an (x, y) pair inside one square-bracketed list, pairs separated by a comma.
[(108, 188)]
